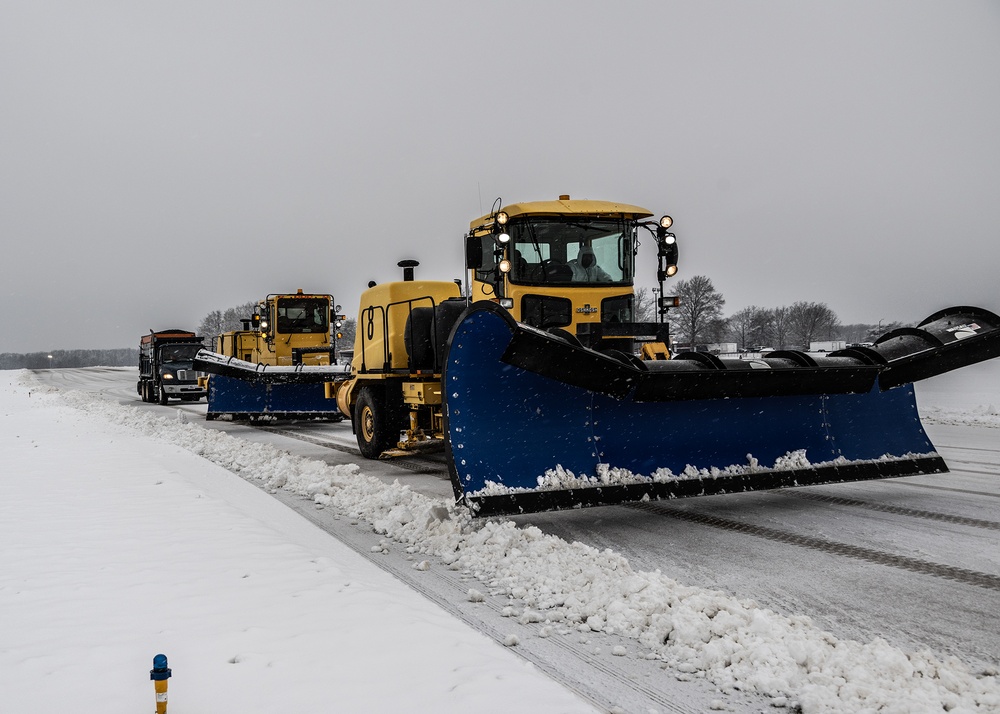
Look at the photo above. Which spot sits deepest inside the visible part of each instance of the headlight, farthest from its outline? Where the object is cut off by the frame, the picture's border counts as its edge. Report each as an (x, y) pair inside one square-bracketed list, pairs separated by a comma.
[(671, 270), (666, 222), (167, 375), (670, 239), (504, 266), (503, 238), (502, 218)]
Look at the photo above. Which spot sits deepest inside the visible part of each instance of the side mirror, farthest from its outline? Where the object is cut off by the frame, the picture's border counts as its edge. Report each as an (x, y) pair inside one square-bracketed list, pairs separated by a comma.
[(473, 252)]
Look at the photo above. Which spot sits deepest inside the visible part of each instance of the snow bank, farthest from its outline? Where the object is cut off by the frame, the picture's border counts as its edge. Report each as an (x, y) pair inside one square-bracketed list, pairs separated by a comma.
[(698, 632), (986, 415)]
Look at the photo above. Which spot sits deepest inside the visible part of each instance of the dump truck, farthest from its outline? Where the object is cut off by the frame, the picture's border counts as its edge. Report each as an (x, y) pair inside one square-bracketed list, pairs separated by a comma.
[(546, 394), (166, 368), (294, 332)]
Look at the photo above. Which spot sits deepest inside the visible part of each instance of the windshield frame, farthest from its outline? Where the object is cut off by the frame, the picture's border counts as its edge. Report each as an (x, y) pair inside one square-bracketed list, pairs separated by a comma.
[(314, 320), (557, 241), (171, 352)]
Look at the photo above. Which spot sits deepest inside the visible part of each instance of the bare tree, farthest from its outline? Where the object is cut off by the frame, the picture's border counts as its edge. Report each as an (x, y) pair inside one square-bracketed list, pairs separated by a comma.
[(217, 322), (211, 325), (700, 309), (779, 327), (811, 321), (645, 306), (750, 327)]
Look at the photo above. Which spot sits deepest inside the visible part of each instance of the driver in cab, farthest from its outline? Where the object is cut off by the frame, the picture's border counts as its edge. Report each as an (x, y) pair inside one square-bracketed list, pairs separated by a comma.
[(586, 269)]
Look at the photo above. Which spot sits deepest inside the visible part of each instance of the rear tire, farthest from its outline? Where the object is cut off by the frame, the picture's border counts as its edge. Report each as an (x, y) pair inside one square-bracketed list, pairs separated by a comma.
[(373, 424)]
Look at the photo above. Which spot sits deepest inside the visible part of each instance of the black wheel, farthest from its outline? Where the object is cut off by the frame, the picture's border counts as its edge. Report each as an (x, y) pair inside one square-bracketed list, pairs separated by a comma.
[(162, 396), (373, 424), (138, 390)]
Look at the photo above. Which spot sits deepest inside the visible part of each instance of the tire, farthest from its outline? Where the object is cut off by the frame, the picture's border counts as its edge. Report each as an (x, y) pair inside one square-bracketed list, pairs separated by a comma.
[(161, 396), (374, 425)]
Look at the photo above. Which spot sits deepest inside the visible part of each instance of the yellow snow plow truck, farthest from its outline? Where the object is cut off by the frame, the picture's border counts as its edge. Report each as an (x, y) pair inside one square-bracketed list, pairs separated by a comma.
[(289, 333), (564, 266)]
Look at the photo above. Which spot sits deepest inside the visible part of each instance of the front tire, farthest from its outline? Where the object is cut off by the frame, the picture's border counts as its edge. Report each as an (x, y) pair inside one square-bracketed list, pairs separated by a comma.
[(373, 424), (162, 396)]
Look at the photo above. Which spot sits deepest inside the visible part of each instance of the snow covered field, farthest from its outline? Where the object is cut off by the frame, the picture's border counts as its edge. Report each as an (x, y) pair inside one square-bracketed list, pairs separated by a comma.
[(126, 534)]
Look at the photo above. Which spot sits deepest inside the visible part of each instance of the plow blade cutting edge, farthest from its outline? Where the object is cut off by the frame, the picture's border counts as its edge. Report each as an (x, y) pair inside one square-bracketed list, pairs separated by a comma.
[(537, 422)]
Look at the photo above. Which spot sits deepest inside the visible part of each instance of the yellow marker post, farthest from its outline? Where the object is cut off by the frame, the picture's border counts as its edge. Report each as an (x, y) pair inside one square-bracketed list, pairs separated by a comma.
[(160, 673)]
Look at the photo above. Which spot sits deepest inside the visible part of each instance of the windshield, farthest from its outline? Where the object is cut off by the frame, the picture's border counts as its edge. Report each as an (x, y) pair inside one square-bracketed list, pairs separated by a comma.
[(300, 315), (595, 251), (178, 353)]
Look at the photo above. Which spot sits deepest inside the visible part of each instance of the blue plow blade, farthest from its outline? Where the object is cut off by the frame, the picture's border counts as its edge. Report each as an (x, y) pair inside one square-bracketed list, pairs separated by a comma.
[(240, 399), (508, 426)]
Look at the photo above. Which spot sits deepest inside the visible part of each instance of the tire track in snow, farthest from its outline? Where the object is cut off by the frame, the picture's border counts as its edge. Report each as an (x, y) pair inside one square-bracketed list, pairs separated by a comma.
[(900, 510), (947, 572)]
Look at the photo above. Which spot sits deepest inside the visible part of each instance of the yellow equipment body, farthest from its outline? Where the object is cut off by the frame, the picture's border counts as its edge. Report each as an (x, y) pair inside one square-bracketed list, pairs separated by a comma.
[(289, 329)]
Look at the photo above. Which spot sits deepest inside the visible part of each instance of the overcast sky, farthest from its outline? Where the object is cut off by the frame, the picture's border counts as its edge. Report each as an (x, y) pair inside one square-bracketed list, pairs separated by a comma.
[(161, 160)]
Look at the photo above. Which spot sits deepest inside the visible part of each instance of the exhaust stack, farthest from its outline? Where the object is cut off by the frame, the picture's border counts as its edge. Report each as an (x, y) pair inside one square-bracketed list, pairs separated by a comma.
[(408, 266)]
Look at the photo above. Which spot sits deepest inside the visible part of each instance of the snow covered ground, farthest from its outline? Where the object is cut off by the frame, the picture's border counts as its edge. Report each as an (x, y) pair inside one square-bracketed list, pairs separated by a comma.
[(126, 535)]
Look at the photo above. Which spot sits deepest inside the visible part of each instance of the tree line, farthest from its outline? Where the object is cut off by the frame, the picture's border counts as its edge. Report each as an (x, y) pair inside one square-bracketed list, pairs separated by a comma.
[(699, 320), (122, 357)]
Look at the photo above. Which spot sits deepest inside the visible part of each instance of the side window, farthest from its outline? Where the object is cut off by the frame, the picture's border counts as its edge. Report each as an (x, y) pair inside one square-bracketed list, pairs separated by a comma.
[(617, 309)]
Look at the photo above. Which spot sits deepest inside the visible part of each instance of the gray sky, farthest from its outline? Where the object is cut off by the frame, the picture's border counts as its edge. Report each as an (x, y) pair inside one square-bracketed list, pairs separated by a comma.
[(160, 160)]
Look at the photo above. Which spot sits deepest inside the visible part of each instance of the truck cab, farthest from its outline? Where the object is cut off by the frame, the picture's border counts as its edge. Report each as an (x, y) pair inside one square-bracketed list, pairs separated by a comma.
[(569, 265), (166, 367), (295, 329)]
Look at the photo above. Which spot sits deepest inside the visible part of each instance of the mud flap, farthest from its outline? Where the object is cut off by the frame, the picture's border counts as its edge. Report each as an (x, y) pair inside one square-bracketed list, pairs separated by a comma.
[(521, 441)]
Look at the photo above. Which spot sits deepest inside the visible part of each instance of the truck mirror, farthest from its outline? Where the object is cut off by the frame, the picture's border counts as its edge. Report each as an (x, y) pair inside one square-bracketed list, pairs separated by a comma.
[(473, 252)]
